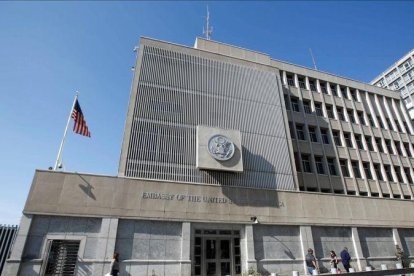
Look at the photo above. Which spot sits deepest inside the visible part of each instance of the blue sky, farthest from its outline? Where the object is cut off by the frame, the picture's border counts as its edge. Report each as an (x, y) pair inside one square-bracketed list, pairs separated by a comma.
[(48, 50)]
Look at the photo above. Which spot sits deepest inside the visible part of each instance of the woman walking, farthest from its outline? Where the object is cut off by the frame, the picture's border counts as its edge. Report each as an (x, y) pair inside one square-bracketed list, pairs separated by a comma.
[(115, 265)]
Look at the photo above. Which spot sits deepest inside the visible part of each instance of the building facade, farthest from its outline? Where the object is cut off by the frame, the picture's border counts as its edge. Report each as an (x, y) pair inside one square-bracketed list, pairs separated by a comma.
[(400, 77), (231, 161)]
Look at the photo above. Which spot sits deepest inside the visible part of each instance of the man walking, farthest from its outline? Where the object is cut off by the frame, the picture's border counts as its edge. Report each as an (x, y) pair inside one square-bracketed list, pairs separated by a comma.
[(310, 261), (345, 258)]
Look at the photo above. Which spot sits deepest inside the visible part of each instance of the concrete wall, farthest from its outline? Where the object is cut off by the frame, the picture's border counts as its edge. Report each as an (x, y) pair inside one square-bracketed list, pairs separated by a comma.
[(148, 247)]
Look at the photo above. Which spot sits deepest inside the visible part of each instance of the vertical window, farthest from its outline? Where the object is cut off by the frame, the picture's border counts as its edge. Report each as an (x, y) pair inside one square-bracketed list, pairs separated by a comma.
[(291, 131), (389, 124), (398, 147), (290, 80), (379, 144), (359, 141), (368, 140), (407, 149), (355, 168), (323, 87), (319, 165), (286, 102), (300, 133), (307, 107), (387, 169), (389, 147), (367, 170), (295, 104), (312, 134), (333, 90), (329, 110), (398, 173), (306, 163), (348, 141), (318, 109), (398, 125), (353, 95), (380, 122), (344, 167), (408, 175), (351, 115), (62, 257), (336, 138), (377, 169), (302, 82), (371, 120), (407, 129), (297, 162), (324, 134), (331, 166), (312, 85), (340, 112), (361, 118), (343, 91)]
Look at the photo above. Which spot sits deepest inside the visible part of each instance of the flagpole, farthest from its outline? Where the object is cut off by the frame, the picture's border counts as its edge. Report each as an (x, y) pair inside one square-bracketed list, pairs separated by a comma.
[(64, 134)]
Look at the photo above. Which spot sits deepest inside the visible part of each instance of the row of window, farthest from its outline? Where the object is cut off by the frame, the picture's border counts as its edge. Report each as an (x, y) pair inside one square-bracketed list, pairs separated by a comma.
[(340, 111), (347, 140), (354, 166), (335, 90)]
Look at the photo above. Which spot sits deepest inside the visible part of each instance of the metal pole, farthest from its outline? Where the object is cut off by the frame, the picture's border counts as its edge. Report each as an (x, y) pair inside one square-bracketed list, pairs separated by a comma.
[(59, 156)]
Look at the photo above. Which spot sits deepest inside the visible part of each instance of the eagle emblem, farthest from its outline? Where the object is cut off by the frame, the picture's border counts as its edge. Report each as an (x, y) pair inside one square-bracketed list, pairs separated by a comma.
[(220, 147)]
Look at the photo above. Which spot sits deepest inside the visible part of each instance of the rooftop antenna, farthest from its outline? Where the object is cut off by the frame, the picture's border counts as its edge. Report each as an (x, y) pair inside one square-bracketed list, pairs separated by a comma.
[(313, 59), (208, 30)]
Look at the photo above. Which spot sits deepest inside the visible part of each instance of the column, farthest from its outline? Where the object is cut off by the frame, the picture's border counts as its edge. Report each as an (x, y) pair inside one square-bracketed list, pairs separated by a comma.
[(12, 265), (306, 239), (247, 243), (360, 259), (106, 243), (186, 249)]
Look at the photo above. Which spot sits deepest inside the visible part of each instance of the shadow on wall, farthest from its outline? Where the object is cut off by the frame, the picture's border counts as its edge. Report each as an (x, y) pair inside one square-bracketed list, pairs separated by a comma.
[(86, 187), (260, 173)]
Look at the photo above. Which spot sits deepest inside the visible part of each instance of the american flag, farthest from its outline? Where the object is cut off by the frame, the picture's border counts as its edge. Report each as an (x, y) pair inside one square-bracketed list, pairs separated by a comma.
[(80, 126)]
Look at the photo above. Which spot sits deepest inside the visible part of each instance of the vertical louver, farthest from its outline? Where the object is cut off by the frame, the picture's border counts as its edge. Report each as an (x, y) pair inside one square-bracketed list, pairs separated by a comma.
[(62, 258)]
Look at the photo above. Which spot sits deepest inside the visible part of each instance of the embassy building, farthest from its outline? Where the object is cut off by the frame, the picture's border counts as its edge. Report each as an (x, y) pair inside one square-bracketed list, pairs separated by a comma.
[(231, 161)]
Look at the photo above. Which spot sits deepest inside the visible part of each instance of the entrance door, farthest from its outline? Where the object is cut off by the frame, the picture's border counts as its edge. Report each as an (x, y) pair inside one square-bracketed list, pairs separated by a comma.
[(217, 256)]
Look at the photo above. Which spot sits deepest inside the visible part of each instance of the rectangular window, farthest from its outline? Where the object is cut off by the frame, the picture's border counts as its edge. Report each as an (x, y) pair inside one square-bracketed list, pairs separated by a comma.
[(62, 257), (290, 80), (368, 140), (389, 147), (302, 82), (344, 167), (351, 115), (377, 169), (398, 147), (336, 138), (312, 85), (323, 87), (388, 173), (408, 175), (367, 170), (371, 120), (306, 163), (331, 166), (307, 107), (329, 110), (389, 124), (398, 173), (287, 105), (312, 134), (333, 90), (380, 122), (319, 165), (361, 118), (340, 112), (379, 144), (359, 141), (348, 141), (324, 134), (398, 126), (318, 109), (353, 95), (407, 149), (407, 129), (300, 134), (297, 161), (355, 168), (295, 104)]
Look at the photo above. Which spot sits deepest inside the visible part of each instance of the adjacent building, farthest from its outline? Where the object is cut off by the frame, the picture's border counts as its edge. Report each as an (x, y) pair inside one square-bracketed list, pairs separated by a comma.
[(400, 77), (231, 161)]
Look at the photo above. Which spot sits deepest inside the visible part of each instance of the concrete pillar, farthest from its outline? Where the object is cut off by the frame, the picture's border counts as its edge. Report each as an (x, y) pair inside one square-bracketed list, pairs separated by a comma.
[(362, 263), (186, 249), (247, 245), (106, 243), (306, 239), (12, 265), (284, 78)]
